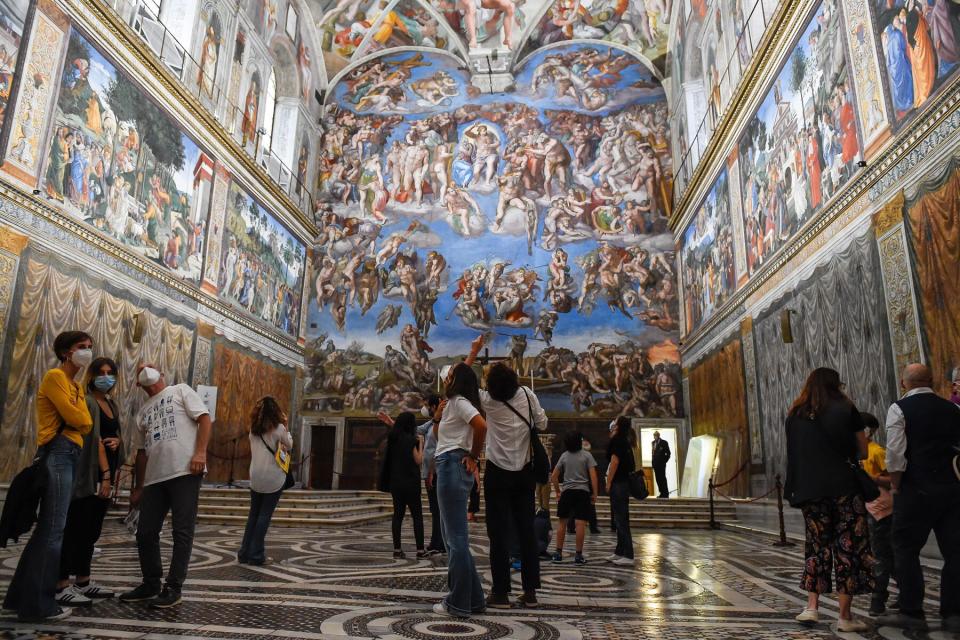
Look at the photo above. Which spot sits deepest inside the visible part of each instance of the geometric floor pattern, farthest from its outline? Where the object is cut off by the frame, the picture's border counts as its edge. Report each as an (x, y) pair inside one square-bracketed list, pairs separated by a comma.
[(331, 585)]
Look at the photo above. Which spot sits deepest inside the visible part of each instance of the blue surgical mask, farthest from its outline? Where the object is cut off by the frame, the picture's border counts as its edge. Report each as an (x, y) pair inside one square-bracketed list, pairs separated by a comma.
[(104, 383)]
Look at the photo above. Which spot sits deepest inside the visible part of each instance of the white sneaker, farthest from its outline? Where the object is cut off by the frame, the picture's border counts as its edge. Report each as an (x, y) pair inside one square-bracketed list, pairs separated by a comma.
[(93, 591), (440, 609), (623, 562), (611, 558), (72, 597), (851, 626), (808, 616)]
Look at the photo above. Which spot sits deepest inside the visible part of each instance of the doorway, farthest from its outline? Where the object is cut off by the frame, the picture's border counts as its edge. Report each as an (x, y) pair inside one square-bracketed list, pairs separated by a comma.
[(669, 434), (323, 446)]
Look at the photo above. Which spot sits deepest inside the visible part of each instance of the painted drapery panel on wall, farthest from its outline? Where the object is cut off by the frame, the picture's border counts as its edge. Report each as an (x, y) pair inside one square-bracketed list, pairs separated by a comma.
[(118, 162), (540, 218), (919, 48), (709, 272), (13, 18), (642, 24), (803, 144), (933, 219), (838, 318), (241, 379), (58, 297), (262, 263), (718, 408)]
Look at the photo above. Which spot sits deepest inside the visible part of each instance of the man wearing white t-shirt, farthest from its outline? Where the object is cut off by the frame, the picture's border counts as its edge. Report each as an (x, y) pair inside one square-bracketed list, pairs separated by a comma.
[(171, 436)]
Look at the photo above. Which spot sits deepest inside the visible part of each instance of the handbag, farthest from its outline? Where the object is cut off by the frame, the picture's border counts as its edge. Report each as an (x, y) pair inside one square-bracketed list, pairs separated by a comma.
[(539, 461), (868, 488), (638, 485), (283, 461)]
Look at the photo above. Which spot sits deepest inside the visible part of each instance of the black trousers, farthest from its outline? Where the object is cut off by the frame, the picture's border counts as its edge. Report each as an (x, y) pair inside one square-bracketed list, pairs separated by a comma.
[(918, 510), (407, 498), (510, 499), (474, 505), (436, 532), (84, 524), (660, 471), (181, 496)]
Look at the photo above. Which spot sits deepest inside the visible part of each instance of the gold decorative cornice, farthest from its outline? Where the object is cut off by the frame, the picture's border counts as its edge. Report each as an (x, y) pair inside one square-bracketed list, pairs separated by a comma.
[(121, 39), (12, 242), (767, 57), (95, 239), (889, 215), (908, 140), (746, 326), (205, 330)]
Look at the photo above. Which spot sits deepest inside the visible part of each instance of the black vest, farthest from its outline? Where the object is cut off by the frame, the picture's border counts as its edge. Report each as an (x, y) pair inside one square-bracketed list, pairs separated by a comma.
[(933, 438)]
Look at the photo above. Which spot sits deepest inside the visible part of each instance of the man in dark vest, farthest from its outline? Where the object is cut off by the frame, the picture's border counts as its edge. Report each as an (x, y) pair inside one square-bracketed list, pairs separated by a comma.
[(923, 438), (661, 455)]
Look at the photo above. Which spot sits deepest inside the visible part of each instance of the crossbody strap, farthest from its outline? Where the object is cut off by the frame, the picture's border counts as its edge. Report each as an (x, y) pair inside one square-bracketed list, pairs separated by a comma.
[(526, 421), (273, 452)]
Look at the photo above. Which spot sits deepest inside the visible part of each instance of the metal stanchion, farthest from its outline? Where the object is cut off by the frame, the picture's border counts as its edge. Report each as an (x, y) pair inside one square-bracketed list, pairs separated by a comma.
[(782, 542), (713, 518)]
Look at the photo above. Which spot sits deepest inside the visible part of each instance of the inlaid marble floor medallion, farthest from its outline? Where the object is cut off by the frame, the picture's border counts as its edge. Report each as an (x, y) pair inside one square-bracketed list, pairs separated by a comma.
[(337, 584)]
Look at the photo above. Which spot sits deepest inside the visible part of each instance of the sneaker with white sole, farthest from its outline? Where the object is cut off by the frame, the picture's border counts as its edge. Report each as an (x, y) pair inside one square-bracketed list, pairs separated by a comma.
[(94, 591), (611, 558), (71, 597), (62, 614), (440, 609), (623, 562), (808, 616), (851, 626)]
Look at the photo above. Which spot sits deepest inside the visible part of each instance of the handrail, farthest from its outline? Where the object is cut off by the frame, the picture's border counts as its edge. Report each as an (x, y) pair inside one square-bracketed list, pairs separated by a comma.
[(694, 150), (192, 77)]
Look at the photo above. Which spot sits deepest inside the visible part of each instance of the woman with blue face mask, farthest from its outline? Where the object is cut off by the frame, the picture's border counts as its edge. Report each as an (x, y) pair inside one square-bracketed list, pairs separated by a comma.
[(97, 474)]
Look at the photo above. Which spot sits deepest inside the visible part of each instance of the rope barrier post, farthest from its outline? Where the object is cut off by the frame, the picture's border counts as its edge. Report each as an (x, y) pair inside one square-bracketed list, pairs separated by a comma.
[(713, 519), (782, 542)]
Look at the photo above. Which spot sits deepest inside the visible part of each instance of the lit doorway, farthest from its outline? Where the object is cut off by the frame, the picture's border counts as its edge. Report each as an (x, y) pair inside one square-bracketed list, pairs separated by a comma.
[(669, 434)]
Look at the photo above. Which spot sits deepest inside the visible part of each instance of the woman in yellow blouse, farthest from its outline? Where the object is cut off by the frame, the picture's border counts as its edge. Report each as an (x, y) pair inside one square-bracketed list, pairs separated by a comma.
[(62, 421)]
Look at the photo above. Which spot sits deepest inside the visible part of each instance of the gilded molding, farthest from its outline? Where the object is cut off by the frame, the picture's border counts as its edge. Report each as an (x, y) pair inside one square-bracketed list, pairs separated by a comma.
[(159, 274), (12, 242), (98, 19), (889, 215), (767, 57), (903, 155)]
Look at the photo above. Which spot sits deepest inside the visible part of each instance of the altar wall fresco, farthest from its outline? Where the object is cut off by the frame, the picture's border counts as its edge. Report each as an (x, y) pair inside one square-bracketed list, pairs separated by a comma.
[(538, 218)]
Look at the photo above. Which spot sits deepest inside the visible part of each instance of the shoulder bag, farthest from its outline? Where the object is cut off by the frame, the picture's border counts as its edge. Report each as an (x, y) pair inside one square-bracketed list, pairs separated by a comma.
[(539, 461), (868, 488), (283, 461), (638, 485)]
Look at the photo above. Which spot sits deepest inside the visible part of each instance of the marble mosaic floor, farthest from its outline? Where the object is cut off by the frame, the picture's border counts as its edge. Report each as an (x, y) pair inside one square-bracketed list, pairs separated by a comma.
[(338, 584)]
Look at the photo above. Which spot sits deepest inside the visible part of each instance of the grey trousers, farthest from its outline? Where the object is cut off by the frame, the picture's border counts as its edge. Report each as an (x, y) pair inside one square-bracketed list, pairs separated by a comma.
[(179, 495)]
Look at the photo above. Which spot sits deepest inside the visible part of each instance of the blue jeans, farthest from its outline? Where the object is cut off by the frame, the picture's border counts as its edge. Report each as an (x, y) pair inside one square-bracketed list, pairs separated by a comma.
[(453, 492), (620, 508), (258, 521), (32, 591)]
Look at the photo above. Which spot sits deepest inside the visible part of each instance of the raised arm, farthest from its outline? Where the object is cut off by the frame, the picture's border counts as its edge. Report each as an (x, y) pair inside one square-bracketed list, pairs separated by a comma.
[(475, 348)]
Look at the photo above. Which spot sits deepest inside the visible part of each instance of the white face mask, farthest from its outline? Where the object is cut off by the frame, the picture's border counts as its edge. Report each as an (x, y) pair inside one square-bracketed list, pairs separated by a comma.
[(148, 377), (82, 357), (425, 411)]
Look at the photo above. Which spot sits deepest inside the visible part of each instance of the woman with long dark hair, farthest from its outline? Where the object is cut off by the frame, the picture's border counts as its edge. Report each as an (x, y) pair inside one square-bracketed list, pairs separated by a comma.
[(96, 473), (825, 440), (403, 457), (621, 465), (267, 433), (461, 430)]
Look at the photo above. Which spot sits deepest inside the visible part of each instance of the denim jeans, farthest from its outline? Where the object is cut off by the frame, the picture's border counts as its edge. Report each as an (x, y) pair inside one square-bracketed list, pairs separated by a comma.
[(882, 546), (181, 496), (453, 491), (620, 508), (262, 506), (32, 591)]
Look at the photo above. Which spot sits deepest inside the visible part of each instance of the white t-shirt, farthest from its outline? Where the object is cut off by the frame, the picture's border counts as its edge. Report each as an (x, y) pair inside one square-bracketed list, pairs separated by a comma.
[(455, 431), (266, 476), (508, 437), (167, 432)]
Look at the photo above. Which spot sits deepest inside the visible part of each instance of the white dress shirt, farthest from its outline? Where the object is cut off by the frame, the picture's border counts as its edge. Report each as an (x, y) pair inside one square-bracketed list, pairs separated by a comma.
[(897, 435)]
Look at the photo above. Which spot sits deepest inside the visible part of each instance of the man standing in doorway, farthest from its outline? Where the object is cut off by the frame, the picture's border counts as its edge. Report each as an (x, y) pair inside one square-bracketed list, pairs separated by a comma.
[(661, 455), (171, 436)]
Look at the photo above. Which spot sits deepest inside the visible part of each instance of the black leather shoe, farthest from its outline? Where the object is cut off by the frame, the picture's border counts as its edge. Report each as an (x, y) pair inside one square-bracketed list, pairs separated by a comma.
[(167, 598), (141, 593), (902, 621)]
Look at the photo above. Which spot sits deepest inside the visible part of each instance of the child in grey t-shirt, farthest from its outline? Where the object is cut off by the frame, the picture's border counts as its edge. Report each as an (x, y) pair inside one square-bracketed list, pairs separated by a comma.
[(579, 491)]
